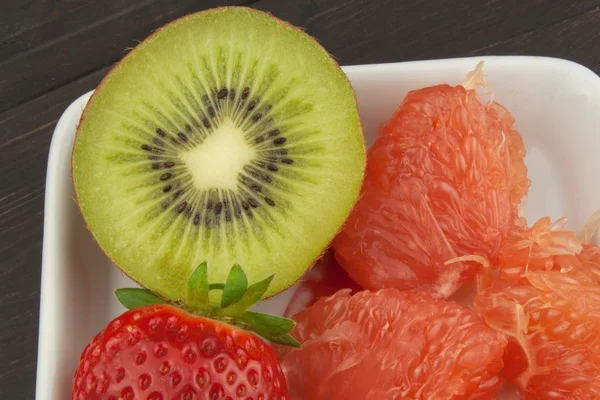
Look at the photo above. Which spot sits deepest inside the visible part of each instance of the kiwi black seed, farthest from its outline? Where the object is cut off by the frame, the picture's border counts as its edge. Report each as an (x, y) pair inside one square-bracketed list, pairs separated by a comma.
[(228, 137)]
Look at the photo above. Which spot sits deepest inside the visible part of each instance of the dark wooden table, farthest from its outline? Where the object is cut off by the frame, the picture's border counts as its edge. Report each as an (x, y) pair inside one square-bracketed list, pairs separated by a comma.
[(51, 51)]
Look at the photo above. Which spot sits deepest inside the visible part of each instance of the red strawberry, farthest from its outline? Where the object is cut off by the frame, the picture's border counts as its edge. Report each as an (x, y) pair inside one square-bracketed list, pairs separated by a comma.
[(161, 352)]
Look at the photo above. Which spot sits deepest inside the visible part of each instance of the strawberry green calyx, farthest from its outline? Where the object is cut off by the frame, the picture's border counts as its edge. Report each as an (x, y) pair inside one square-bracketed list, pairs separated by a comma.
[(236, 298)]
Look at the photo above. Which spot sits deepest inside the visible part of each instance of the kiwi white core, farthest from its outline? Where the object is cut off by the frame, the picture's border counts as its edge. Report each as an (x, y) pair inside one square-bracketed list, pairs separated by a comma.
[(218, 161)]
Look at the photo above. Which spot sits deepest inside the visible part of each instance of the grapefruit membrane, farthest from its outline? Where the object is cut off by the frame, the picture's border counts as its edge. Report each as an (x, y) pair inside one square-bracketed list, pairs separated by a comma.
[(549, 246)]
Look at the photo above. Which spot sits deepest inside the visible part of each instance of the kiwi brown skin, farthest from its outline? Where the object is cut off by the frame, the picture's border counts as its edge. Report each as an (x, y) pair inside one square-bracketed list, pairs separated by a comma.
[(143, 43)]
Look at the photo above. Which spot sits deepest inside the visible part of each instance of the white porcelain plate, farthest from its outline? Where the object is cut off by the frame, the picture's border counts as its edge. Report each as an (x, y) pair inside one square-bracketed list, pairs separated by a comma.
[(556, 105)]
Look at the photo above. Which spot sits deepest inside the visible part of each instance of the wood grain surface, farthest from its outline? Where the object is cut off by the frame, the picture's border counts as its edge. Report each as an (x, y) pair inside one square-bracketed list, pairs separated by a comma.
[(52, 51)]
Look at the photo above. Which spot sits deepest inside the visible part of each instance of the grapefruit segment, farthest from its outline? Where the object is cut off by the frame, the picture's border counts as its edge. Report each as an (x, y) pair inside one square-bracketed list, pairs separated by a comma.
[(552, 320), (444, 179), (392, 345)]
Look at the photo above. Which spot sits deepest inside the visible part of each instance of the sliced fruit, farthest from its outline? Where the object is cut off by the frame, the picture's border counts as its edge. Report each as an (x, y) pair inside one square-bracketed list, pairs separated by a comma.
[(552, 320), (228, 136), (392, 345), (444, 179)]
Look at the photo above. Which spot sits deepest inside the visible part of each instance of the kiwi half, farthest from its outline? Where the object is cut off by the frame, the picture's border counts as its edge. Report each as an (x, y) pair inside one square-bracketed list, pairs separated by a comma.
[(227, 136)]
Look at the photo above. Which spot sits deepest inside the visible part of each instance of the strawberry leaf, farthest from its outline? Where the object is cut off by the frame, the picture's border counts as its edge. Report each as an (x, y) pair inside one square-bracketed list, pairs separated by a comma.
[(273, 328), (256, 292), (285, 340), (235, 286), (251, 297), (136, 297), (236, 299), (271, 324), (197, 290), (216, 286)]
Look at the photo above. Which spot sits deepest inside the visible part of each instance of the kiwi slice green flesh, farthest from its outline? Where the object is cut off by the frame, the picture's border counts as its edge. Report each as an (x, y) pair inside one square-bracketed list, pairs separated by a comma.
[(227, 136)]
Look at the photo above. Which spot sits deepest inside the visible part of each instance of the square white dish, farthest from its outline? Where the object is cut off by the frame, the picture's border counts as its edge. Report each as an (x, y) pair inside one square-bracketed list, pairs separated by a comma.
[(556, 104)]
